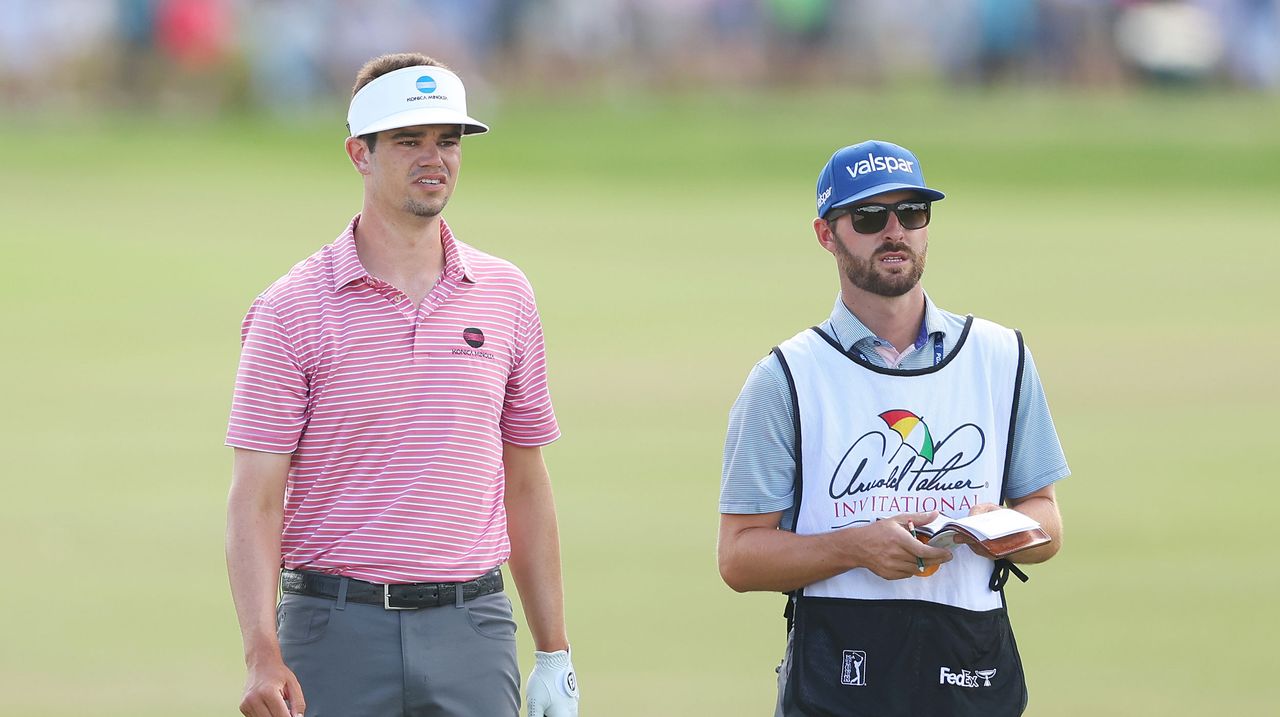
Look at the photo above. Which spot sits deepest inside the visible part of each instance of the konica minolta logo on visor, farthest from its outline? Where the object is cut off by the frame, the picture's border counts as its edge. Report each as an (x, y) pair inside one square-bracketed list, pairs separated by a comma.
[(427, 86)]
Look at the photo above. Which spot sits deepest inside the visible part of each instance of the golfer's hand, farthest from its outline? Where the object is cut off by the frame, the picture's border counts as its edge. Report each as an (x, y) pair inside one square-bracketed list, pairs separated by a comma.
[(272, 690), (553, 686), (887, 549)]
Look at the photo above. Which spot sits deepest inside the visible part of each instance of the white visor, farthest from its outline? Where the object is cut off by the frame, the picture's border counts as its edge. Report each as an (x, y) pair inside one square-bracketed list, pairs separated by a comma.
[(409, 97)]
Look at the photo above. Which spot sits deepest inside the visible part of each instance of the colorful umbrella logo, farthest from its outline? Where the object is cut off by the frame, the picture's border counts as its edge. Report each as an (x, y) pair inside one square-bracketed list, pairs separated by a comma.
[(913, 430)]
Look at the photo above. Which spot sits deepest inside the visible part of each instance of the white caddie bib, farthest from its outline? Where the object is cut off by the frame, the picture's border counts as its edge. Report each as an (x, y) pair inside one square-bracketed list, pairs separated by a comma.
[(874, 443)]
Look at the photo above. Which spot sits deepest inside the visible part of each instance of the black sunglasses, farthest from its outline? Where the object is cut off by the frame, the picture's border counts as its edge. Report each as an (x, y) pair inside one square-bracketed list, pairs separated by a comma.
[(872, 218)]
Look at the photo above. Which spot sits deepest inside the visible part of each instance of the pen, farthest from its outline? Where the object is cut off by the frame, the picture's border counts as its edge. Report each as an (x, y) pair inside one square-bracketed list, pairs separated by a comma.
[(919, 560)]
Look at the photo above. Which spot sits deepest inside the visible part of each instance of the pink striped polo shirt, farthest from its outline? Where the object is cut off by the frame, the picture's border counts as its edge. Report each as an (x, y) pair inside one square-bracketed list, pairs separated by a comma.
[(395, 417)]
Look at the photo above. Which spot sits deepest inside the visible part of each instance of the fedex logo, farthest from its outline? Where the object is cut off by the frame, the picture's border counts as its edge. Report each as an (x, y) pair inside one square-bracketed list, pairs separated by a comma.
[(965, 678), (875, 163)]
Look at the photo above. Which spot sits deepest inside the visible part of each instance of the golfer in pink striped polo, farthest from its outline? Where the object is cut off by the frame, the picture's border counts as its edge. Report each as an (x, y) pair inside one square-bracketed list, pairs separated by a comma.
[(390, 408)]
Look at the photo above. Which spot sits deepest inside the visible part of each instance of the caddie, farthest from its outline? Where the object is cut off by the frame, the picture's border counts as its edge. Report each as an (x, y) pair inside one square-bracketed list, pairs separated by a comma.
[(851, 433), (390, 408)]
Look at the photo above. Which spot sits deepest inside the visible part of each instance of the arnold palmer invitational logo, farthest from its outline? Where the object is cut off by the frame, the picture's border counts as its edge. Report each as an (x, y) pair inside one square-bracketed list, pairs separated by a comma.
[(906, 459)]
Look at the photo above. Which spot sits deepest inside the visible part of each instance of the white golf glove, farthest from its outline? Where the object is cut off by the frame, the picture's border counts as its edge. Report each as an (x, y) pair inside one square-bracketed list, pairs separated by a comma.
[(553, 686)]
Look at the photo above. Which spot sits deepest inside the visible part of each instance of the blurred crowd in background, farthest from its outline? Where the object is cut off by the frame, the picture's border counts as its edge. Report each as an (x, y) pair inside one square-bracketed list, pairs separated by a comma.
[(282, 53)]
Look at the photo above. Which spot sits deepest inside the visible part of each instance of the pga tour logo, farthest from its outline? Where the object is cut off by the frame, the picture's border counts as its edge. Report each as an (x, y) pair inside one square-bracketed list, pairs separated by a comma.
[(965, 678), (853, 669)]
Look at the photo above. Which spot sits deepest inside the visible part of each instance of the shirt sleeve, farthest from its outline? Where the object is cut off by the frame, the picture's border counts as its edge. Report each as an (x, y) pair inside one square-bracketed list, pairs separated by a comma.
[(759, 448), (528, 418), (269, 406), (1037, 459)]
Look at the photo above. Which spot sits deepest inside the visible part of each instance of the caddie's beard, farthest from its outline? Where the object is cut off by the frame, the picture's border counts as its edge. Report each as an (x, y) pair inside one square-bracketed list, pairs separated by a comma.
[(871, 276)]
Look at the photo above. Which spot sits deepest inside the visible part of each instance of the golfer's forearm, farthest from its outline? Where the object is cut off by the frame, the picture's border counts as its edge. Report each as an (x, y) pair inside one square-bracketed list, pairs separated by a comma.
[(535, 566), (255, 514), (535, 546), (253, 566)]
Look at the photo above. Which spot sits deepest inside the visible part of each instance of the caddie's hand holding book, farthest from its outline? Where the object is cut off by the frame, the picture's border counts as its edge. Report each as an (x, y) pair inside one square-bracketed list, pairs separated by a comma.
[(1000, 532)]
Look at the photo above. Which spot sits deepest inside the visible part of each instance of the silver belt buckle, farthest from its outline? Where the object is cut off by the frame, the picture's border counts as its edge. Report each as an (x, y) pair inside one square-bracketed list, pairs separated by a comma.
[(386, 599)]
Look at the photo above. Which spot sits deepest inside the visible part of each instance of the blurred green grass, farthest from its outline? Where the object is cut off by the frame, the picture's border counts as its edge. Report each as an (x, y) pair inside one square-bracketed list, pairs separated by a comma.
[(1131, 237)]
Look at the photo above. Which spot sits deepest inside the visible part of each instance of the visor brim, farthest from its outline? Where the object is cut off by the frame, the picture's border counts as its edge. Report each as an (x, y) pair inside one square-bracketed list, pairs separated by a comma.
[(930, 194), (424, 116)]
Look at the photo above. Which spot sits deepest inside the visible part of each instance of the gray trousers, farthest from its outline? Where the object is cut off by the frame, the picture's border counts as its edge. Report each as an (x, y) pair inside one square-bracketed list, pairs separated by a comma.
[(784, 670), (360, 660)]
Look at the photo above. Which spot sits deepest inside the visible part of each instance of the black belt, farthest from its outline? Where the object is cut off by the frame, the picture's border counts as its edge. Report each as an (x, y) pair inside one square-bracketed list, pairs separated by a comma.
[(404, 596)]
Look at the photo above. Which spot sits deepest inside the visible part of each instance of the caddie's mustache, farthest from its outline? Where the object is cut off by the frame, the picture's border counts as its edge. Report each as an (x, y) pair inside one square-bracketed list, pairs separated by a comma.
[(902, 248)]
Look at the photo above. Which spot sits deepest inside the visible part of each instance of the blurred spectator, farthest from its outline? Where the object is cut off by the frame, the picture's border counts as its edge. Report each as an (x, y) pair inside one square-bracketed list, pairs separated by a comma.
[(732, 47), (303, 51), (48, 48), (578, 39), (195, 34), (1170, 41), (465, 31), (137, 63), (195, 40), (286, 45), (1253, 30), (1006, 38), (360, 29), (21, 53), (800, 38), (1077, 45)]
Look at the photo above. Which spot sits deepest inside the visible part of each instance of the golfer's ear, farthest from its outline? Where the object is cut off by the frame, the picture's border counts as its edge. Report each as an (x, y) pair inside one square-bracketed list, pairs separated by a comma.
[(358, 153)]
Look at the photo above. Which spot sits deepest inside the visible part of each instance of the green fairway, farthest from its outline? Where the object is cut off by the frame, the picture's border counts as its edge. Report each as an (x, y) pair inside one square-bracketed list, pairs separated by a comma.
[(1132, 238)]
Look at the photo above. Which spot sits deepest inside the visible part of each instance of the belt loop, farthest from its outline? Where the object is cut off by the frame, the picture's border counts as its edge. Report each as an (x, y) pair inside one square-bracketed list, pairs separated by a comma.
[(457, 594), (342, 593)]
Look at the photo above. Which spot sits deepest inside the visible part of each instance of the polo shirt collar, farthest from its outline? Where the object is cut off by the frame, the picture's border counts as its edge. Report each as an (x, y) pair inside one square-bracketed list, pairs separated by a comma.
[(849, 330), (346, 263), (456, 265), (347, 267)]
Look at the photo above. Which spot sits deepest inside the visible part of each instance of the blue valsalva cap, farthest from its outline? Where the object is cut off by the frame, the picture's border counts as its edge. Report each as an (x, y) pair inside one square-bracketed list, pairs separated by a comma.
[(867, 169)]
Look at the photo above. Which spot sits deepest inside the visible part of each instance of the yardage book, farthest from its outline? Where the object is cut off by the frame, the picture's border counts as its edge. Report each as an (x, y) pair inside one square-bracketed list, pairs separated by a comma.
[(1001, 531)]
